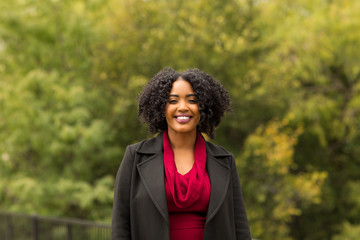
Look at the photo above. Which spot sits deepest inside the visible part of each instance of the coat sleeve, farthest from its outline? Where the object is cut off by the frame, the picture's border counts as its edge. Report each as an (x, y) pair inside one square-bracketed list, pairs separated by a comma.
[(120, 229), (241, 222)]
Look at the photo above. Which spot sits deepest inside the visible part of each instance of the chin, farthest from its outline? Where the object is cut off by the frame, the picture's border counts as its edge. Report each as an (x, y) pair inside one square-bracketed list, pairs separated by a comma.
[(183, 130)]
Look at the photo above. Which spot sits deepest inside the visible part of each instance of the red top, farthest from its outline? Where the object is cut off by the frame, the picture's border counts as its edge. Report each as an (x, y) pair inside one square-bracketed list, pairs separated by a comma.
[(187, 195)]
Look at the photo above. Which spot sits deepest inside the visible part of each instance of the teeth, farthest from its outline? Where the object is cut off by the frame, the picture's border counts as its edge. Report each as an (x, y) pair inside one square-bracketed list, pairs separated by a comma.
[(182, 117)]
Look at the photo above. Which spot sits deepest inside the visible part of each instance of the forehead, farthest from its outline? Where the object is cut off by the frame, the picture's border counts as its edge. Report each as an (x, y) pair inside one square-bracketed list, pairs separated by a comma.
[(181, 86)]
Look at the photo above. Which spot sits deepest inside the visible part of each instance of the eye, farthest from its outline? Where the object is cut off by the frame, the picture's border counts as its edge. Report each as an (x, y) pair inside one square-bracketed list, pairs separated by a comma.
[(172, 101), (195, 101)]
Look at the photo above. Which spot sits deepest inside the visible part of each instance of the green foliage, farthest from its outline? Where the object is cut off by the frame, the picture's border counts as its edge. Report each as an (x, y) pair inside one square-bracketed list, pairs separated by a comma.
[(349, 232), (70, 72), (267, 165), (61, 134)]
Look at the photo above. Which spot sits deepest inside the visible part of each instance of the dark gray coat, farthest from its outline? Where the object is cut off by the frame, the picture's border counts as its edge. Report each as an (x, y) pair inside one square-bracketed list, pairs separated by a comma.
[(140, 207)]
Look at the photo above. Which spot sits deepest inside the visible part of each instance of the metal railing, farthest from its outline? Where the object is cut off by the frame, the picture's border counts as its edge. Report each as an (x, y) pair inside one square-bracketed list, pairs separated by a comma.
[(31, 227)]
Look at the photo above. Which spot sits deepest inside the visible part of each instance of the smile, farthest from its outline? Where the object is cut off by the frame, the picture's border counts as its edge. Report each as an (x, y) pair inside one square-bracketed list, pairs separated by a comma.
[(183, 118)]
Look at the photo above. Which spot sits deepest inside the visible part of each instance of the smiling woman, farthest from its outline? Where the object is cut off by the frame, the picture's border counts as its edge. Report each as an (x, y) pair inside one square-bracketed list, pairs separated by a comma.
[(182, 111), (176, 185), (213, 100)]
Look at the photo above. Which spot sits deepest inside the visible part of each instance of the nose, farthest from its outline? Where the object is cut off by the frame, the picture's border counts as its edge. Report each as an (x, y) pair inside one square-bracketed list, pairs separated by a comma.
[(183, 106)]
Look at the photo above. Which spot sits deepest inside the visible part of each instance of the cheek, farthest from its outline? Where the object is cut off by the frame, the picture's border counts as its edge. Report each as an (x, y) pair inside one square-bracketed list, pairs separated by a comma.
[(167, 112), (166, 109), (198, 113)]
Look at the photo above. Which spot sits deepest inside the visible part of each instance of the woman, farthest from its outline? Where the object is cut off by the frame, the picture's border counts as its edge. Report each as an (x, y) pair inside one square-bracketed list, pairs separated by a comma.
[(176, 185)]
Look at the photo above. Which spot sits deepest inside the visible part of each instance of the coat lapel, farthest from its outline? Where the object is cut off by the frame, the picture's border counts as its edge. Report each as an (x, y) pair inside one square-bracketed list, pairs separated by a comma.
[(151, 171), (219, 174)]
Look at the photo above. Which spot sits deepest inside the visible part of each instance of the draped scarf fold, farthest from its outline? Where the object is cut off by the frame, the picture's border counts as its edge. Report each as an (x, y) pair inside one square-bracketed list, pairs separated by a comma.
[(185, 189)]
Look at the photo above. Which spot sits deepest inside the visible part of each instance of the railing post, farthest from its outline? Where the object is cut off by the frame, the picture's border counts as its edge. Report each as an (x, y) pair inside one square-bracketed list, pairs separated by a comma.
[(9, 232), (31, 226), (35, 228), (69, 232)]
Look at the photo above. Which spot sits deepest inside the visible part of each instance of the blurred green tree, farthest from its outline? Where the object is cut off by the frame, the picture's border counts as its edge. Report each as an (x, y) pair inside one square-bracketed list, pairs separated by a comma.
[(71, 72), (62, 134)]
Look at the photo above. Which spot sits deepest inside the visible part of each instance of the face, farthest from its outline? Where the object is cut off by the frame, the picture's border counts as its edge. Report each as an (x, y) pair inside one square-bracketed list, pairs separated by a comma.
[(182, 110)]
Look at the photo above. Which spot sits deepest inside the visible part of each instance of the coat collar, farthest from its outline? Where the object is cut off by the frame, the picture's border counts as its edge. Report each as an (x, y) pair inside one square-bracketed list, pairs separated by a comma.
[(151, 171), (151, 146), (155, 145)]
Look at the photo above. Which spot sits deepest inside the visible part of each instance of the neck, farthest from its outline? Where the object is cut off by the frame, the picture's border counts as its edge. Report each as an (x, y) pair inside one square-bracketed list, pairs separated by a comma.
[(182, 140)]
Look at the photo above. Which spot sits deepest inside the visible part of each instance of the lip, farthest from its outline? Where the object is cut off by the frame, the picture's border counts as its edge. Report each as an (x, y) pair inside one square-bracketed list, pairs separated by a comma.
[(183, 118)]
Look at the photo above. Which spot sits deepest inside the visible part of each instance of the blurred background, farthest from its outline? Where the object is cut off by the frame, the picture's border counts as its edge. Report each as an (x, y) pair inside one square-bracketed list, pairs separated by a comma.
[(71, 71)]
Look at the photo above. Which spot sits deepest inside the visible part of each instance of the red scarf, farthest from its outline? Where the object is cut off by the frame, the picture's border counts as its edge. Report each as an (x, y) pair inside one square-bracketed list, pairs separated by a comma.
[(185, 190)]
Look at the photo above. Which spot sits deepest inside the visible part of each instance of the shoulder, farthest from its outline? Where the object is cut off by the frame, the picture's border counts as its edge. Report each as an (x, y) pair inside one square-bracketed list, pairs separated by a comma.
[(220, 154), (217, 150), (147, 146), (133, 147)]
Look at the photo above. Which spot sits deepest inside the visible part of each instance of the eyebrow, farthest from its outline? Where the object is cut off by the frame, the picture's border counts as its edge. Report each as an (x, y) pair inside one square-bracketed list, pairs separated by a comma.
[(187, 95)]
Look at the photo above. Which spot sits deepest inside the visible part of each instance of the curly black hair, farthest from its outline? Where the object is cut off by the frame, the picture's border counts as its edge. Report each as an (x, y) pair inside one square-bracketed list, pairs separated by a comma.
[(213, 99)]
